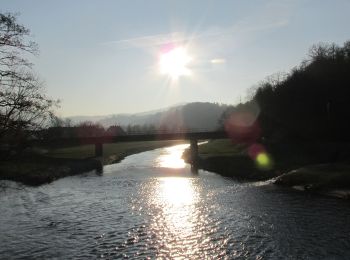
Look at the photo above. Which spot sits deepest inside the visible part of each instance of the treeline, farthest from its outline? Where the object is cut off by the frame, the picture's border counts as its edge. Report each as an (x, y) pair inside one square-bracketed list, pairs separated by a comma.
[(309, 103), (65, 129), (84, 129)]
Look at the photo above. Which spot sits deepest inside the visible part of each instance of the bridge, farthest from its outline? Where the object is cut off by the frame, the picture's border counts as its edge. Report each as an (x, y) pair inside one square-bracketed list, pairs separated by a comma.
[(98, 141)]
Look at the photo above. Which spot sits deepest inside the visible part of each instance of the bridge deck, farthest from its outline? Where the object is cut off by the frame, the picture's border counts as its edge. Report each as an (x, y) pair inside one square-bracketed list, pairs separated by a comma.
[(132, 138)]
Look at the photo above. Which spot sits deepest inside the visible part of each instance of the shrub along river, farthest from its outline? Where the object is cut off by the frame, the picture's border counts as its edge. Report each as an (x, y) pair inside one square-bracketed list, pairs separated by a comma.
[(151, 205)]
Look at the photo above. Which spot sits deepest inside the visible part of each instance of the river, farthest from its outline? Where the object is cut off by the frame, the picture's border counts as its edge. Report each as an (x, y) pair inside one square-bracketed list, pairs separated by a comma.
[(151, 206)]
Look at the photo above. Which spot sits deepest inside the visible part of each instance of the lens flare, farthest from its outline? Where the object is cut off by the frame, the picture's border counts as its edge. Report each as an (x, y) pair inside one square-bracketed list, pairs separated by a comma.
[(218, 61), (242, 124), (263, 160), (243, 127)]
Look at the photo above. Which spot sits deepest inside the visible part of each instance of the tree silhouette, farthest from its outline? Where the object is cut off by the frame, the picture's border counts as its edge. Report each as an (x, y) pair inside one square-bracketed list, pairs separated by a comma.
[(311, 103), (312, 100), (23, 104)]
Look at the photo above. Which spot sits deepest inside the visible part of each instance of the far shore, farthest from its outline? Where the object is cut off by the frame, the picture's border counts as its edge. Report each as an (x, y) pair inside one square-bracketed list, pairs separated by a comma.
[(40, 166), (292, 169)]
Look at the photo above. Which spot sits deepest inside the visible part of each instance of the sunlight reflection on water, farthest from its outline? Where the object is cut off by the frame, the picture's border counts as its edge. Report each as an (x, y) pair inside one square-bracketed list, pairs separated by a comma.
[(171, 158), (180, 218), (139, 210), (183, 226)]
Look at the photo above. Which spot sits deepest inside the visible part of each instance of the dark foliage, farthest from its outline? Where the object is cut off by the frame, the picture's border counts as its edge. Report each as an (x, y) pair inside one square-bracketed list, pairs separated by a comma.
[(84, 129), (311, 103)]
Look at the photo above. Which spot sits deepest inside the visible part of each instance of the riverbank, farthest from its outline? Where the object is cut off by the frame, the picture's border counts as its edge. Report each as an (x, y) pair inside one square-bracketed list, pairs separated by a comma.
[(40, 166), (328, 179), (230, 160), (302, 166), (36, 169)]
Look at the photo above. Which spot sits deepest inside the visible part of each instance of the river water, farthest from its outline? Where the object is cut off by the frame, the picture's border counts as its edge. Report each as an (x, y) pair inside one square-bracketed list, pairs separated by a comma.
[(151, 206)]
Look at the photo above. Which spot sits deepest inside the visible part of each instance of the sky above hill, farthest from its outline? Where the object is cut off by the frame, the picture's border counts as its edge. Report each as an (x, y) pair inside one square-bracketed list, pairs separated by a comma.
[(106, 57)]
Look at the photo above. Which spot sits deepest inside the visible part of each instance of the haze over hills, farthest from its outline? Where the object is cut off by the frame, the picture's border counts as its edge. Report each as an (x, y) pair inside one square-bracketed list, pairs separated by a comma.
[(197, 115)]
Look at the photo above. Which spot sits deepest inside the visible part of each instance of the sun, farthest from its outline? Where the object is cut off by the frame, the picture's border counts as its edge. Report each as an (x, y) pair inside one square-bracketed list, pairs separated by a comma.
[(174, 63)]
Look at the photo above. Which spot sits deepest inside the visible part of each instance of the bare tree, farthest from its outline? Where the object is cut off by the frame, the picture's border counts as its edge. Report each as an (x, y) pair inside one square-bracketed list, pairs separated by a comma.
[(23, 103), (90, 129)]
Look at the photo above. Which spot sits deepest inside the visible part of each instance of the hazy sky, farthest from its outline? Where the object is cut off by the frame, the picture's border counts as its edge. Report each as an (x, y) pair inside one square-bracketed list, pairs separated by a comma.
[(102, 57)]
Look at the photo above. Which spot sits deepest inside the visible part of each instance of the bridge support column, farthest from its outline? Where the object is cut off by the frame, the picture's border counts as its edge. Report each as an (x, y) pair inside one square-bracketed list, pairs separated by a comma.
[(98, 149), (194, 154)]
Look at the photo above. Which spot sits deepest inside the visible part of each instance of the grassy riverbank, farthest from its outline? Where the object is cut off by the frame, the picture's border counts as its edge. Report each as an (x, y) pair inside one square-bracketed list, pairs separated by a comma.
[(40, 166), (36, 169), (319, 167), (231, 160), (320, 177), (112, 153)]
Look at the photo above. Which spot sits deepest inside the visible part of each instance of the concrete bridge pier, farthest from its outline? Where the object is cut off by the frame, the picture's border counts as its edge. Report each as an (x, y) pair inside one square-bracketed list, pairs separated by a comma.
[(98, 149), (194, 150)]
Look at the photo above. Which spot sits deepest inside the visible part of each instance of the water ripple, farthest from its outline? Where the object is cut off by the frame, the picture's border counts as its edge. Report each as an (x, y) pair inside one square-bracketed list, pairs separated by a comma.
[(146, 213)]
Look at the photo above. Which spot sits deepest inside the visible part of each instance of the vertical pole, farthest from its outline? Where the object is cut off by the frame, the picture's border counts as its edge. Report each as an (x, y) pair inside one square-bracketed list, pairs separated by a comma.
[(98, 149)]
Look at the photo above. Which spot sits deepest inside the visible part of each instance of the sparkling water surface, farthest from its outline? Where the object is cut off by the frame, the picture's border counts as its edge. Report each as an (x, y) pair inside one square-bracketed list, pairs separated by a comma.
[(151, 206)]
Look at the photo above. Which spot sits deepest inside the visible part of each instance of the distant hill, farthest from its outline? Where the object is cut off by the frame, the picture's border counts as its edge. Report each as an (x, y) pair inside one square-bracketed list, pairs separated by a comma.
[(197, 115), (79, 119)]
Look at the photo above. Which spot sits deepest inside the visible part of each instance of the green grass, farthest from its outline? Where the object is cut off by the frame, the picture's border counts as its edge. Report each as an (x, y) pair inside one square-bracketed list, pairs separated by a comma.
[(228, 159), (37, 166), (318, 177), (220, 147), (111, 152), (36, 169)]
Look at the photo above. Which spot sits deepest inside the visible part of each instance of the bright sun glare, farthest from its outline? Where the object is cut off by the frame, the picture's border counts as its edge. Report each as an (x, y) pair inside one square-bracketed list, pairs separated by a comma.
[(174, 63), (173, 157)]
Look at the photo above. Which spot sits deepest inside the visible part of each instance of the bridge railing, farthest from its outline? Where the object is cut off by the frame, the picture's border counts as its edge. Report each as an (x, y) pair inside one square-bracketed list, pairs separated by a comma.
[(169, 131)]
